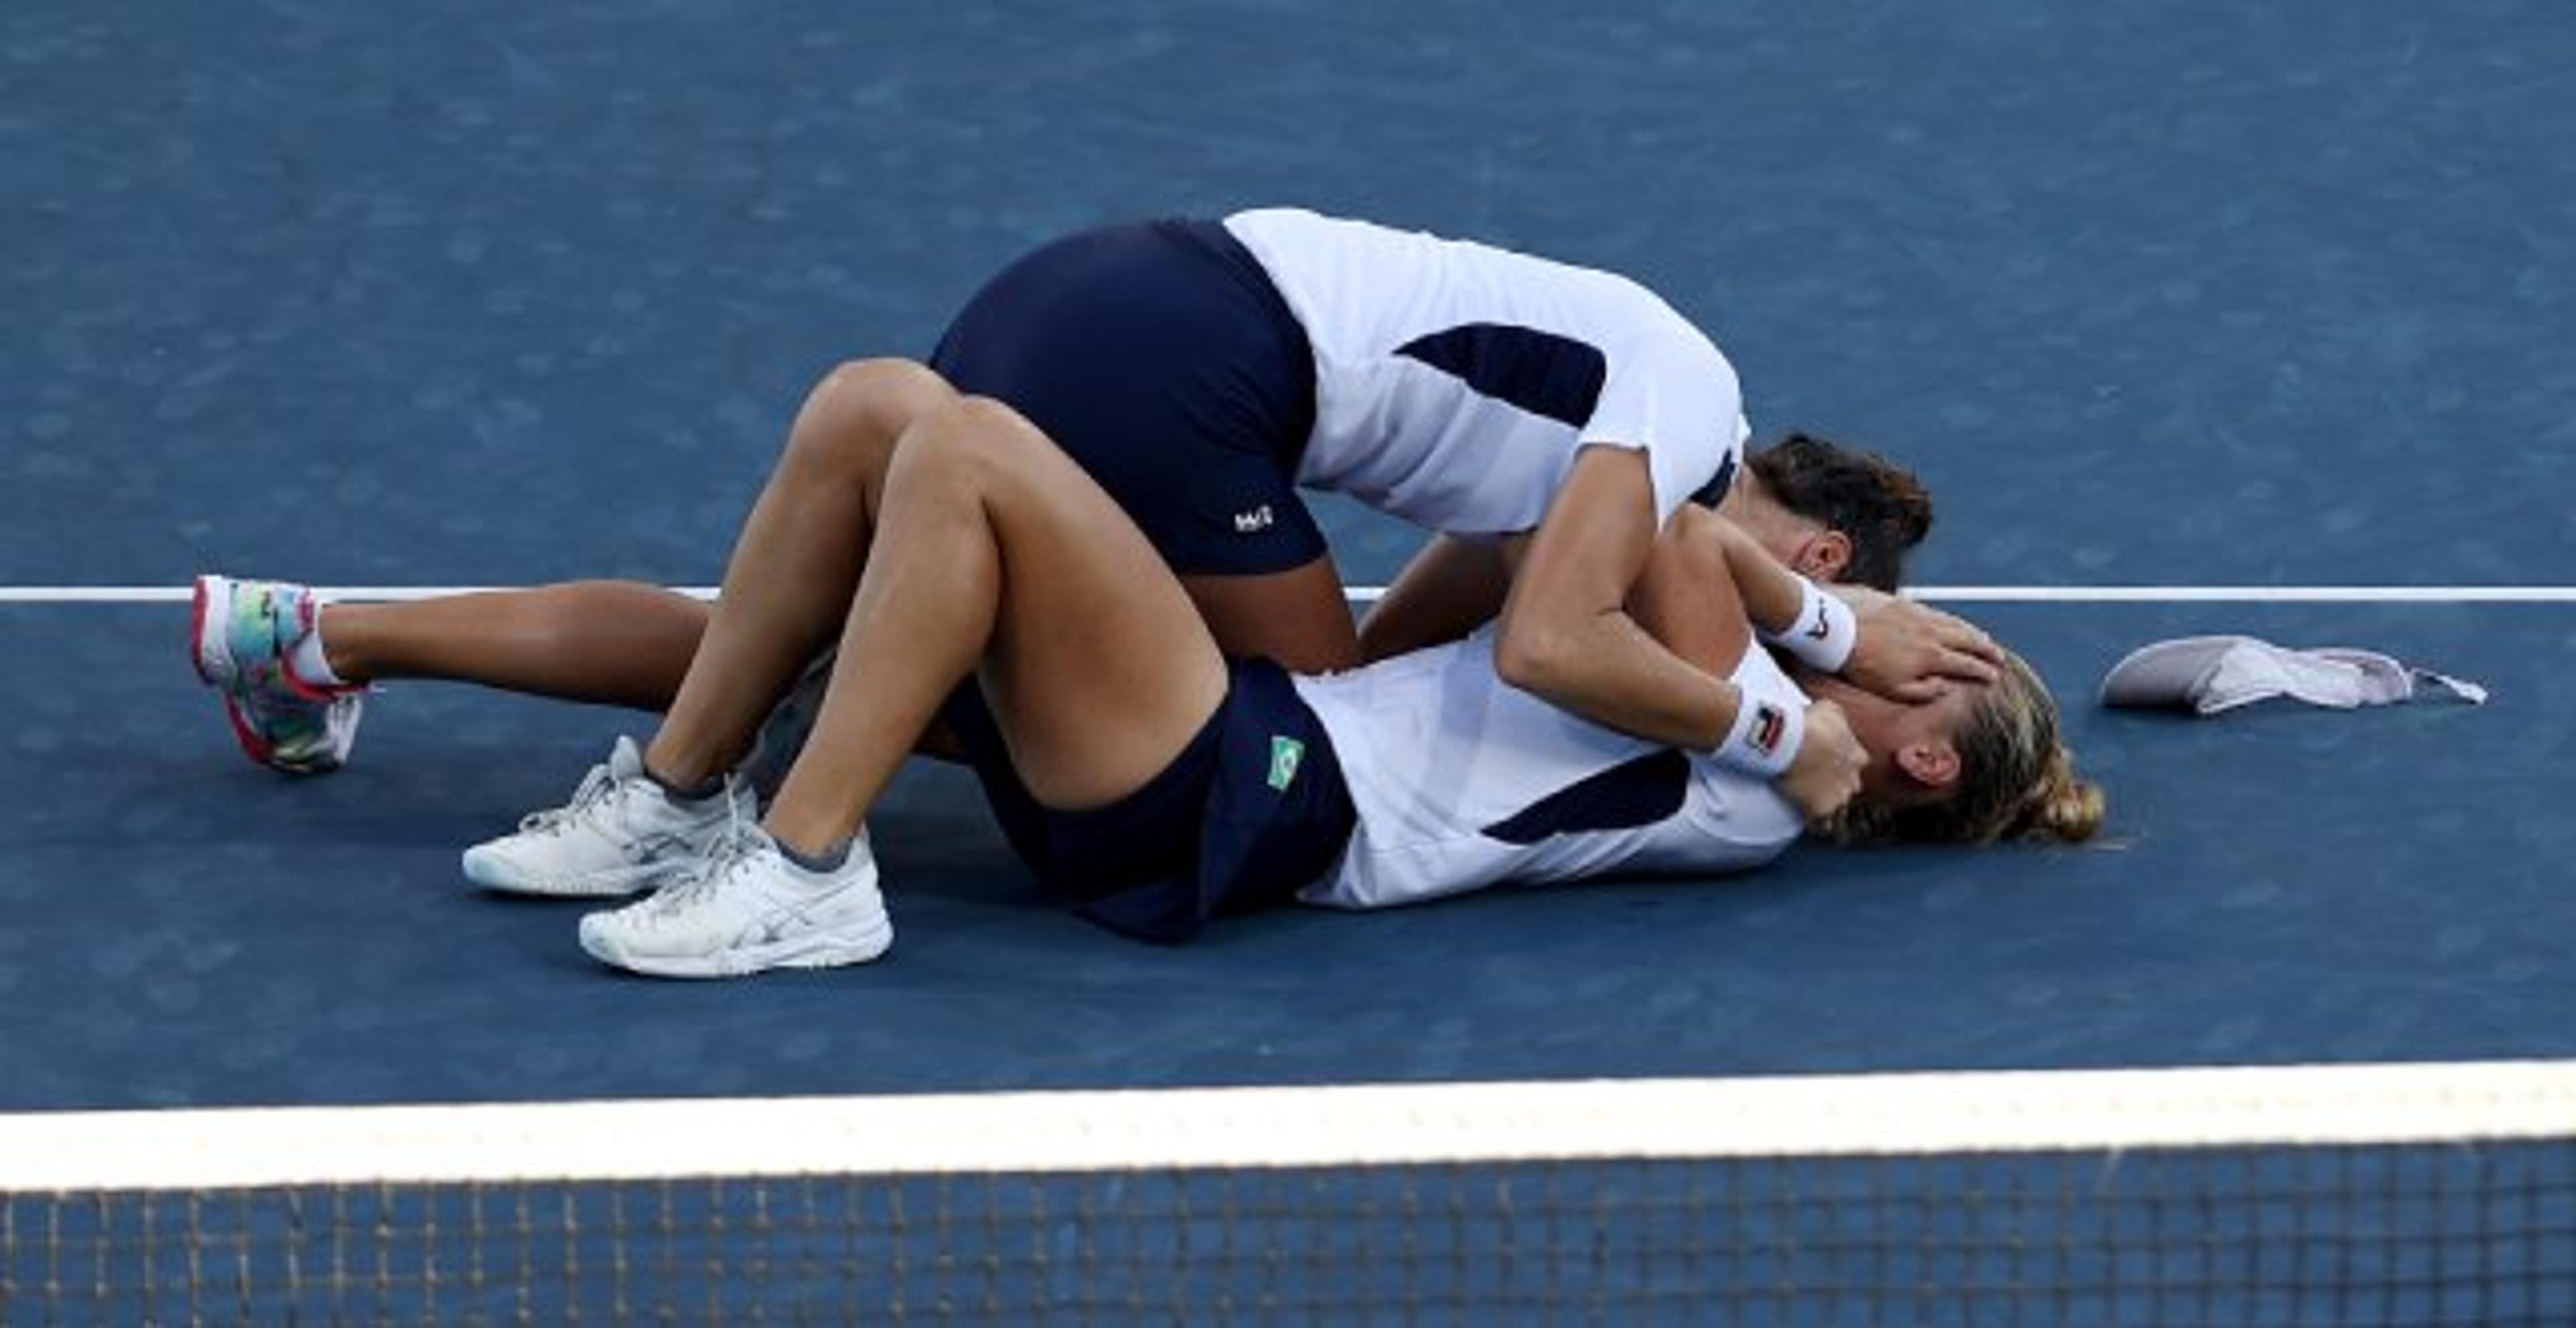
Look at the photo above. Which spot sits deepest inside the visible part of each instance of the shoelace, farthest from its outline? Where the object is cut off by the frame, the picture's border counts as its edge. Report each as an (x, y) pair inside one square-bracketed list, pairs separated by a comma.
[(554, 820), (740, 838)]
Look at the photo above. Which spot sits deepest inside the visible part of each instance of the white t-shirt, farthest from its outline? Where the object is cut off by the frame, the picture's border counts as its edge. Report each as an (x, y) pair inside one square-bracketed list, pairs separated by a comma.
[(1454, 382), (1461, 781)]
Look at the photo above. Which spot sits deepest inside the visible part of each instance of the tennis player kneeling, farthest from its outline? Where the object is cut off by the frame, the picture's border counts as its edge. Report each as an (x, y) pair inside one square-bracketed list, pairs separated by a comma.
[(1157, 785)]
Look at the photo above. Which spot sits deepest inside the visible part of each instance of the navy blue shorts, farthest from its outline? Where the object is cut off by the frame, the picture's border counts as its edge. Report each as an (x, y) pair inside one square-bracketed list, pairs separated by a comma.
[(1162, 359), (1253, 809)]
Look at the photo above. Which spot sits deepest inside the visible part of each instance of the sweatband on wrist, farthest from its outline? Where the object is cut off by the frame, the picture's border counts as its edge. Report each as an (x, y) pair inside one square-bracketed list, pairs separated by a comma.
[(1764, 739), (1824, 633)]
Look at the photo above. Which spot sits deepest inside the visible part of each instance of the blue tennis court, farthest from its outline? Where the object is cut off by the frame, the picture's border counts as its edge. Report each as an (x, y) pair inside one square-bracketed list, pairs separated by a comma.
[(2156, 301)]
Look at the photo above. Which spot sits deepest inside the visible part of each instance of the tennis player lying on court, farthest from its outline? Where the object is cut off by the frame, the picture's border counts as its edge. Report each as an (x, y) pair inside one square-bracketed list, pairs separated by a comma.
[(1157, 785), (1542, 420), (293, 671)]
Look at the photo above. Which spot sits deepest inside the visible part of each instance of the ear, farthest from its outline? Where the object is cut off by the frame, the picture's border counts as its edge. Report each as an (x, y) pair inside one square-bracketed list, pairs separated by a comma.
[(1824, 556), (1931, 764)]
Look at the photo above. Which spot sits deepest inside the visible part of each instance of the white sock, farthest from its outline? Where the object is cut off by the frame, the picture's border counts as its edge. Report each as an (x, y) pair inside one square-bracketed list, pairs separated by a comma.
[(309, 662)]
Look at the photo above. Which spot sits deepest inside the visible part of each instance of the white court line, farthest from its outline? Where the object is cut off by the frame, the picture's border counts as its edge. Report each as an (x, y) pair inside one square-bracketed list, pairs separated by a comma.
[(2091, 1111), (2247, 594), (1365, 594)]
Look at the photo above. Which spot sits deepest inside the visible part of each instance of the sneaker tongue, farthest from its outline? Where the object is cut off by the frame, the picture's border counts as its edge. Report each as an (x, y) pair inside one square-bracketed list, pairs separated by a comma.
[(626, 760)]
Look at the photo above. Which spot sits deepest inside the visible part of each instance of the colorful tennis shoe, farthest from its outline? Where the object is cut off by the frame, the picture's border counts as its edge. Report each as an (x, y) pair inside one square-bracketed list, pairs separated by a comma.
[(244, 634)]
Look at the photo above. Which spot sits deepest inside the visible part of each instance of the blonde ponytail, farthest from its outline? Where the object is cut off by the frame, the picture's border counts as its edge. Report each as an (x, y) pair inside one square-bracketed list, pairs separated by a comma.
[(2062, 807)]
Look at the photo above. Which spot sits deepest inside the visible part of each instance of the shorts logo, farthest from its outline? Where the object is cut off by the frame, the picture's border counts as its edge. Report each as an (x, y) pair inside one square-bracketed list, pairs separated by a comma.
[(1285, 754), (1252, 522), (1770, 725), (1824, 627)]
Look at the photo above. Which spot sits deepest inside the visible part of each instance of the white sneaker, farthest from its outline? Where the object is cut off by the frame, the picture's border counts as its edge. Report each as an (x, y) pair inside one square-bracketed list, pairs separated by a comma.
[(747, 909), (620, 834)]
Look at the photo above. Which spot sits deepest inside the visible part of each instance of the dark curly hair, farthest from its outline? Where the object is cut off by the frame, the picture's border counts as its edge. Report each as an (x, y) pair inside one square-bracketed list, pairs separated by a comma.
[(1879, 505)]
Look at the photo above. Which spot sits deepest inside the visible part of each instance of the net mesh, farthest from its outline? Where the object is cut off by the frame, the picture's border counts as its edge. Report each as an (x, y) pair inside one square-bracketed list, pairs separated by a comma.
[(2474, 1229)]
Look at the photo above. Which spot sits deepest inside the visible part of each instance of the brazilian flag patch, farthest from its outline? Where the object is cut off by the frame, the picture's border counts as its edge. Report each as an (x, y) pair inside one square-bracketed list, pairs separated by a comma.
[(1285, 754)]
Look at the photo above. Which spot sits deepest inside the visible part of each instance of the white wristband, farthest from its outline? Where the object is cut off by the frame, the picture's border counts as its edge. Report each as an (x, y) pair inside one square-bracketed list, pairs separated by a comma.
[(1824, 633), (1764, 738)]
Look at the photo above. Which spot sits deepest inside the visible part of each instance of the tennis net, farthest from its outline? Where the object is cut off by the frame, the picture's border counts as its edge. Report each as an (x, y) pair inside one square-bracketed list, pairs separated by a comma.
[(2343, 1195)]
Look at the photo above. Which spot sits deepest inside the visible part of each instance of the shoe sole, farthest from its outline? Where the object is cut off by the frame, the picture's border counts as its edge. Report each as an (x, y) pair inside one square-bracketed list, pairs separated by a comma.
[(212, 669), (495, 875), (800, 952)]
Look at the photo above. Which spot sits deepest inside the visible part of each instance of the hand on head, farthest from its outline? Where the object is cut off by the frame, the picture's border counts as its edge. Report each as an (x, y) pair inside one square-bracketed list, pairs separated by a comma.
[(1912, 652)]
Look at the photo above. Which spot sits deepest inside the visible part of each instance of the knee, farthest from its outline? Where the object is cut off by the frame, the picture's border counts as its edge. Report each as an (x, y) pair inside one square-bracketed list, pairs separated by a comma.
[(970, 440), (880, 378), (857, 410)]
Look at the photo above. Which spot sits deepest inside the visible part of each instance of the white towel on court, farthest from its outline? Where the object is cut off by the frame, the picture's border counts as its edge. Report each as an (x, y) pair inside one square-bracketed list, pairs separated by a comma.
[(2214, 674)]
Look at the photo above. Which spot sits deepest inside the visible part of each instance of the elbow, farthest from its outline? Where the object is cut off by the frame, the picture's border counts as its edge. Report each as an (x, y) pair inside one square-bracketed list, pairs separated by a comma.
[(1533, 656), (1378, 641)]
